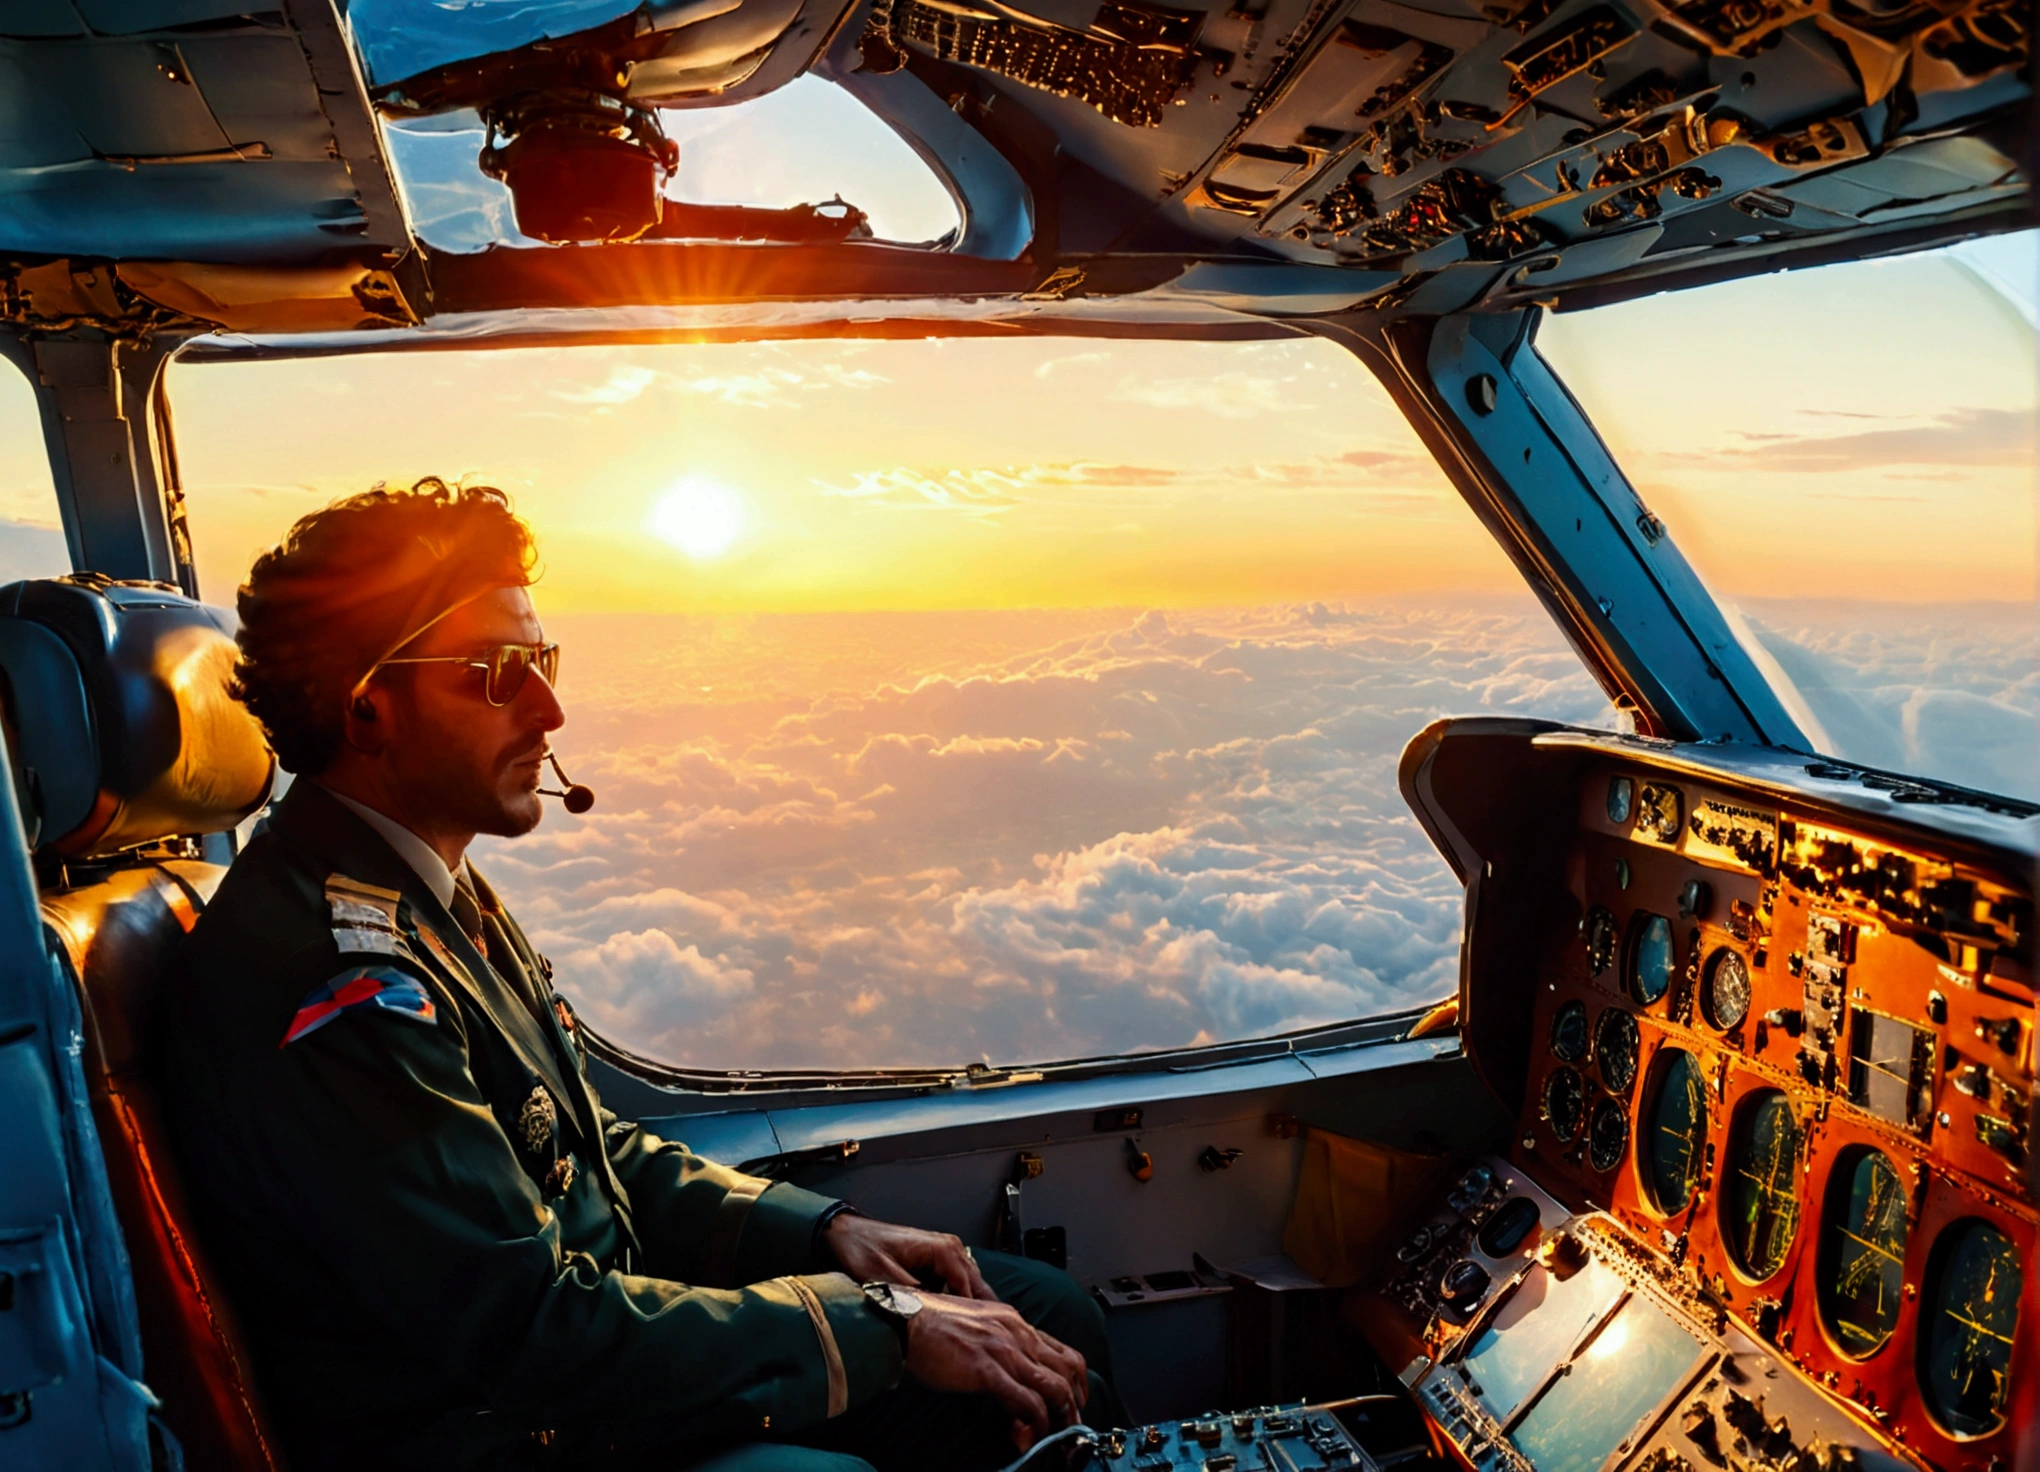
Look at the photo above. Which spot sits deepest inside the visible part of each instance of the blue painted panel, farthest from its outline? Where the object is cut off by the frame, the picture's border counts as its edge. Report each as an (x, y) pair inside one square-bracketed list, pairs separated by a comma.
[(40, 18), (727, 1139), (124, 17), (829, 1124), (120, 97), (400, 38), (269, 212)]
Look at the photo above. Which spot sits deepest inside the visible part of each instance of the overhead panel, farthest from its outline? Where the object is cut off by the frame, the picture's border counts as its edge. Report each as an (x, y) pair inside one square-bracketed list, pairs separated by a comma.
[(171, 130)]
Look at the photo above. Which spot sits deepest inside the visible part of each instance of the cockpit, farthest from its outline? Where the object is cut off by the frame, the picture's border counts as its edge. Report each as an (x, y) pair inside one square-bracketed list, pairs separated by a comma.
[(1359, 669)]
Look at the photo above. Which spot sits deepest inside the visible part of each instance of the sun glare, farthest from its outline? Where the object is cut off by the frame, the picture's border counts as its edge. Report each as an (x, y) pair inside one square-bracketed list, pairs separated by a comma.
[(700, 517)]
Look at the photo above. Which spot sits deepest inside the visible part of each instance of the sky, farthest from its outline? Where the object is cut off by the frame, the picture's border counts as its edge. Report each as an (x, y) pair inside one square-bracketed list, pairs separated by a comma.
[(920, 475)]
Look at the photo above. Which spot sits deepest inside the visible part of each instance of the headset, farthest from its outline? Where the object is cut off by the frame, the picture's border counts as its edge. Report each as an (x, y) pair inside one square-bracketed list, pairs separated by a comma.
[(576, 798)]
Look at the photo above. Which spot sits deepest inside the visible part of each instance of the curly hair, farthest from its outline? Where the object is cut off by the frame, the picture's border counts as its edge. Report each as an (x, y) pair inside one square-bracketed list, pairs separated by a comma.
[(347, 584)]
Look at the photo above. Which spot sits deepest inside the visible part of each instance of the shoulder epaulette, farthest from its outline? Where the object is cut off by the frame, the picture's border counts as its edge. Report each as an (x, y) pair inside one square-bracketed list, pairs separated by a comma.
[(364, 916)]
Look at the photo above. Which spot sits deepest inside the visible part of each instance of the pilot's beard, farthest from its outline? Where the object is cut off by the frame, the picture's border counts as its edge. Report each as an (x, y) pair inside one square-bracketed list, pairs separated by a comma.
[(481, 799)]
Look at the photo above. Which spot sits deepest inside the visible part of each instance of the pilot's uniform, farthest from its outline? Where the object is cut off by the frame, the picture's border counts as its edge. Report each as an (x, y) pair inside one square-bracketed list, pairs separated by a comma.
[(447, 1253)]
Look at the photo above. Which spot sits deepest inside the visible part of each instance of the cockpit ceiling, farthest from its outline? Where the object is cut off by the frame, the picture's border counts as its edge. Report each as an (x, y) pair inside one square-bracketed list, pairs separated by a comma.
[(221, 162)]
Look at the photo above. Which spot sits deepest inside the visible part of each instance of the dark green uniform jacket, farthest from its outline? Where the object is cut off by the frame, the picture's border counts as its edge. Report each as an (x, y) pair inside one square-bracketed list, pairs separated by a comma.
[(442, 1246)]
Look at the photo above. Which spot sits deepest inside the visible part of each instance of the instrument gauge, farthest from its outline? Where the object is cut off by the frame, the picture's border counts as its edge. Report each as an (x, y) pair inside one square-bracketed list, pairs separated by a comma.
[(1861, 1268), (1615, 1046), (1652, 959), (1969, 1319), (1599, 929), (1570, 1036), (1674, 1148), (1661, 813), (1760, 1203), (1607, 1136), (1565, 1102), (1726, 996), (1621, 799)]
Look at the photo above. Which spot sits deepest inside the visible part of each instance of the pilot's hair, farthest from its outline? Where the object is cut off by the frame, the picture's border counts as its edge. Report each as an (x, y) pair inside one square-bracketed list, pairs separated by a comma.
[(348, 584)]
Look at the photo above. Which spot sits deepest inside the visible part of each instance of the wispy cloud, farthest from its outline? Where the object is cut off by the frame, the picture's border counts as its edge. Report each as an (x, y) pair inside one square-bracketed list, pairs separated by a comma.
[(765, 387), (985, 488), (1973, 437), (1054, 366), (1227, 395), (624, 384)]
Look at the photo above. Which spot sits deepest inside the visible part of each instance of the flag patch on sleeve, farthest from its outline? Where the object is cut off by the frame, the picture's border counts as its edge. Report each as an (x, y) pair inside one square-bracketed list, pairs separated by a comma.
[(362, 986)]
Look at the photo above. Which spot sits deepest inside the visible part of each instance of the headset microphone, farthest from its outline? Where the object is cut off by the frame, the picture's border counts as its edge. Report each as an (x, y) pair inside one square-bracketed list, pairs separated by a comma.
[(576, 799)]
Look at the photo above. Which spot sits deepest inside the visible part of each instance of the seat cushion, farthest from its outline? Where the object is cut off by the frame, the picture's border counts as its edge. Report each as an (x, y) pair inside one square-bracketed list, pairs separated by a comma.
[(115, 938)]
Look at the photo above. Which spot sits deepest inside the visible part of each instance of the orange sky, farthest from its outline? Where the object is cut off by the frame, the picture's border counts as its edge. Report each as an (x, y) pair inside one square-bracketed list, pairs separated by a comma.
[(959, 474), (1795, 442)]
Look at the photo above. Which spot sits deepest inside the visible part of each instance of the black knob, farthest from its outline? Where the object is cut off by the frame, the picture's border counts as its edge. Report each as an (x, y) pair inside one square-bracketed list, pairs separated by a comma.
[(1464, 1284)]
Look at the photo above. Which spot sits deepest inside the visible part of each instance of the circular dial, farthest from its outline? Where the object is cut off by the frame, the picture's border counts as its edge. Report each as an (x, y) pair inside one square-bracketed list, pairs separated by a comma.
[(1968, 1323), (1726, 997), (1565, 1101), (1570, 1037), (1760, 1188), (1652, 959), (1607, 1135), (1862, 1253), (1615, 1046), (1599, 929), (1660, 813), (1621, 799), (1673, 1150)]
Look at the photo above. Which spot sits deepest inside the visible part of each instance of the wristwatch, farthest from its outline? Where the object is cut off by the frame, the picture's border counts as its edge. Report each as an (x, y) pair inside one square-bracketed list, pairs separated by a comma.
[(895, 1304)]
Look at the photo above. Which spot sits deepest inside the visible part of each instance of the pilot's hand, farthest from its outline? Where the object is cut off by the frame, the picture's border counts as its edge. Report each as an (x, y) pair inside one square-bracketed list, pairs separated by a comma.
[(871, 1251), (970, 1347)]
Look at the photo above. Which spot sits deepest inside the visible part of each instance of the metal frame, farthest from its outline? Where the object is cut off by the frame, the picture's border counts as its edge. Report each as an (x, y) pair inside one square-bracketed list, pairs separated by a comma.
[(1531, 465), (106, 428)]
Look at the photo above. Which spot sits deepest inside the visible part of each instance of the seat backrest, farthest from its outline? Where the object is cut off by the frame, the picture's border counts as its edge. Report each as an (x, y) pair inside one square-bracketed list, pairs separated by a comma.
[(127, 736)]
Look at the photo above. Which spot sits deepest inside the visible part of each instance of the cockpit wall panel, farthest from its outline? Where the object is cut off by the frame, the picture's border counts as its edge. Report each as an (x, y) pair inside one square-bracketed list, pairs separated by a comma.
[(1773, 1016)]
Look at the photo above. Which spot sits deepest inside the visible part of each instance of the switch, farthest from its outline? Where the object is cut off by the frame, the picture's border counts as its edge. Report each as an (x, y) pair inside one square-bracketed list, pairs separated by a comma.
[(1464, 1284)]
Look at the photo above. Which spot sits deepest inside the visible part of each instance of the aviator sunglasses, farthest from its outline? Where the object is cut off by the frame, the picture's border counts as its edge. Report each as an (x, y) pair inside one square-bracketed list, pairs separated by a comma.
[(504, 668)]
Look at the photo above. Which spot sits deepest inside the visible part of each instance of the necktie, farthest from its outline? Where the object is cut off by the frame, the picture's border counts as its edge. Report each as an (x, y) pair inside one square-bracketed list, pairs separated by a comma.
[(467, 912)]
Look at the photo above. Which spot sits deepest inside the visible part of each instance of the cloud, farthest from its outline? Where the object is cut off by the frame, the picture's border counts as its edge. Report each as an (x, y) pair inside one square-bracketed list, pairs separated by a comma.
[(1075, 360), (1228, 395), (623, 384), (994, 488), (1950, 691), (920, 838), (985, 489), (1959, 437)]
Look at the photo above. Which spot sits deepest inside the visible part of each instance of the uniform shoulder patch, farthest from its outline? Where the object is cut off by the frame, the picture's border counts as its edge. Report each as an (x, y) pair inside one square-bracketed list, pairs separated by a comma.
[(364, 916), (382, 987)]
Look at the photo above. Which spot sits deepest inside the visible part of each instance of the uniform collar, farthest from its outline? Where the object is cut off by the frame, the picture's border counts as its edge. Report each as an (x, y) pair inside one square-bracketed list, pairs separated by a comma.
[(412, 849)]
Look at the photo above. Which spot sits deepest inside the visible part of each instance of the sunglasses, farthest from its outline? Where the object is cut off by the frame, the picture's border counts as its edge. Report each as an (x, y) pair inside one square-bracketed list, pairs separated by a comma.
[(504, 668)]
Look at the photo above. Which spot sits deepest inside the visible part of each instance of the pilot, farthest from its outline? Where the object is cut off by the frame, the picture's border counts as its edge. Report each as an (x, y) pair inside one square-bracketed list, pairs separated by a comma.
[(446, 1252)]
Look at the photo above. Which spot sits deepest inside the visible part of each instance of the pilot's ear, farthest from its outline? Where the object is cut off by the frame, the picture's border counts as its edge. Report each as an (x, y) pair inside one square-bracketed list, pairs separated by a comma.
[(365, 726)]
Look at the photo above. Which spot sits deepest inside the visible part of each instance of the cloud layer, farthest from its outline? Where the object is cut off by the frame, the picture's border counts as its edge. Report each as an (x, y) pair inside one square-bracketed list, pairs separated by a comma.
[(844, 840), (1949, 690)]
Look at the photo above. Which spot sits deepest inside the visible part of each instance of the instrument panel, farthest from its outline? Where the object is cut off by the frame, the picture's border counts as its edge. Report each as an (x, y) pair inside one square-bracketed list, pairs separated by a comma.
[(1786, 1049)]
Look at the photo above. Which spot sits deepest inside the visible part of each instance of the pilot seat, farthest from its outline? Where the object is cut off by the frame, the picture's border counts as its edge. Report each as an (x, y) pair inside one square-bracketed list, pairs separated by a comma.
[(132, 766)]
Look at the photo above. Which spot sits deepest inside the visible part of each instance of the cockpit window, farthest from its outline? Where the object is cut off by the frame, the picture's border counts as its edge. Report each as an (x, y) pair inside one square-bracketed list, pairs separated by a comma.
[(1846, 455), (949, 700), (31, 535), (807, 143)]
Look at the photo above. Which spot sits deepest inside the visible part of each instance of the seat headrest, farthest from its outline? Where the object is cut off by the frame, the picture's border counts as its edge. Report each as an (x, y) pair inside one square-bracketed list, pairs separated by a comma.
[(115, 696)]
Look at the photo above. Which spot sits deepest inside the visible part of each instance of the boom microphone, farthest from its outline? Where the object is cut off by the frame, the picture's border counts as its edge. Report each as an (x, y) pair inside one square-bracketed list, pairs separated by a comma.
[(576, 798)]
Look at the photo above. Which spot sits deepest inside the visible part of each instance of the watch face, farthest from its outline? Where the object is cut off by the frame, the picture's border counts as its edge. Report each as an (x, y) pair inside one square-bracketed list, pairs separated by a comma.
[(906, 1302)]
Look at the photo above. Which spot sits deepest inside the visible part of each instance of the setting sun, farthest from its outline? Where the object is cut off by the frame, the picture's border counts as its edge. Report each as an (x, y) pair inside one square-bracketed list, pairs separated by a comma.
[(700, 517)]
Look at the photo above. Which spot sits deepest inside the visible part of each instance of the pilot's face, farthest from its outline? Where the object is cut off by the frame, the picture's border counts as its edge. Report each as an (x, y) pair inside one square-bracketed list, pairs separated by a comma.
[(473, 766)]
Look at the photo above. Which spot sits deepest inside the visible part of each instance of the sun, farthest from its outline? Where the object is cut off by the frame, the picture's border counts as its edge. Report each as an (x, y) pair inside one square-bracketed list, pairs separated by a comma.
[(701, 517)]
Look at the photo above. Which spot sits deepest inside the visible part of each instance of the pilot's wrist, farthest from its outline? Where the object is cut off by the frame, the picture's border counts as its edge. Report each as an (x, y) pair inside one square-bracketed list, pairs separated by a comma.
[(830, 1215)]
